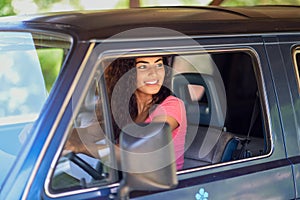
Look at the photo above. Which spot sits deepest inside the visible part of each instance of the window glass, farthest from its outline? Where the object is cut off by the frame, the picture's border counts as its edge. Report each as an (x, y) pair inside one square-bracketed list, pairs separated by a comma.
[(86, 159), (23, 88)]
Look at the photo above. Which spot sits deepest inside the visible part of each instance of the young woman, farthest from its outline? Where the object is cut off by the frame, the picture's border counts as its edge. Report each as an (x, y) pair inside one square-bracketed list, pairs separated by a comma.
[(139, 91)]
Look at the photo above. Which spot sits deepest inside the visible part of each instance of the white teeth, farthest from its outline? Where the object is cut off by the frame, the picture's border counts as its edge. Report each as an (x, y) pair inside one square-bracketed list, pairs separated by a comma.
[(152, 82)]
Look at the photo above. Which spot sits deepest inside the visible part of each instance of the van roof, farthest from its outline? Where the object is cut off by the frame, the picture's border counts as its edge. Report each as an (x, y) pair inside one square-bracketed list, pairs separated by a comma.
[(187, 20)]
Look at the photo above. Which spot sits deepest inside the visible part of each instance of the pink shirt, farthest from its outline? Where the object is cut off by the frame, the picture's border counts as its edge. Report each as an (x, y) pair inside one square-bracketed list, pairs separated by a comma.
[(174, 107)]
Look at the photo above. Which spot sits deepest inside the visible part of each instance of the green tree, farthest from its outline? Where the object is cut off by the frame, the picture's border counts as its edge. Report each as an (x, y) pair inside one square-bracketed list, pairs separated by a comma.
[(6, 8), (122, 4), (51, 61), (259, 2), (45, 5)]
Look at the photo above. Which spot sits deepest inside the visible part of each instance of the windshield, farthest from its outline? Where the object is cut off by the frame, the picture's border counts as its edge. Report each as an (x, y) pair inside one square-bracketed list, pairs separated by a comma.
[(27, 72)]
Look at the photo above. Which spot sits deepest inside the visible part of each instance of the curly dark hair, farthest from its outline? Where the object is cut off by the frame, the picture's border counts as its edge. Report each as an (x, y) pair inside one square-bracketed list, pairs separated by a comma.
[(120, 78)]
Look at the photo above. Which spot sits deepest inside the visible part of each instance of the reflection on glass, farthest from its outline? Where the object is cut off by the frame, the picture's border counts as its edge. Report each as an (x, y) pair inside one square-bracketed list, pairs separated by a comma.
[(22, 89)]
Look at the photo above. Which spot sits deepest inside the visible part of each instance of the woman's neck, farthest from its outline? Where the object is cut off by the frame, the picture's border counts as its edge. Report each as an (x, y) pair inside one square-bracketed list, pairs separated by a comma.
[(144, 102)]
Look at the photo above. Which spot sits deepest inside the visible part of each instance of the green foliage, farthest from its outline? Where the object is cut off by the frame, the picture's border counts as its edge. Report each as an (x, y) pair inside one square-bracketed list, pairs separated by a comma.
[(45, 4), (51, 62), (190, 2), (6, 8), (259, 2), (76, 4), (122, 4)]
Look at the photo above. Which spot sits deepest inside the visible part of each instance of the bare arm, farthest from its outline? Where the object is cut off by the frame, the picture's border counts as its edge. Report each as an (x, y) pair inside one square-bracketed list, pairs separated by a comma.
[(170, 120)]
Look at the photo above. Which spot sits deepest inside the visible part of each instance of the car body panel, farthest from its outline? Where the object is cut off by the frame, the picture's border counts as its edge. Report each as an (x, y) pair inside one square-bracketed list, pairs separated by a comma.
[(276, 161), (290, 110)]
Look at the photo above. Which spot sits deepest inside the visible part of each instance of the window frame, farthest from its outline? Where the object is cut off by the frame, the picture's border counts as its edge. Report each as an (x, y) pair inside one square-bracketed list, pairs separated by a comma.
[(262, 98), (184, 51), (79, 99), (219, 49), (296, 51)]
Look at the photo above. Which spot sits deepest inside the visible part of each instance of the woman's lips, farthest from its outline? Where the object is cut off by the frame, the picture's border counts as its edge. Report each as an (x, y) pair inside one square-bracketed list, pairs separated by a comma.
[(152, 82)]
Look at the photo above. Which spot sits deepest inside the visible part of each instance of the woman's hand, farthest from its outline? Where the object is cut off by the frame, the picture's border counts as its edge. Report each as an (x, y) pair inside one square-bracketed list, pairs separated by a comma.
[(84, 140)]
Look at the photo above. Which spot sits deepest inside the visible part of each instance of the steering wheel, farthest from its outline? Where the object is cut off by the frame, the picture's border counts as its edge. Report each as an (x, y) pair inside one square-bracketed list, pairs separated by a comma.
[(97, 175)]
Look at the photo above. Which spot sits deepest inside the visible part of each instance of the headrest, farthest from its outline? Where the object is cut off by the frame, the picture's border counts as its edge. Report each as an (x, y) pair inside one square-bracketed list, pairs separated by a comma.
[(184, 79), (211, 111), (197, 111)]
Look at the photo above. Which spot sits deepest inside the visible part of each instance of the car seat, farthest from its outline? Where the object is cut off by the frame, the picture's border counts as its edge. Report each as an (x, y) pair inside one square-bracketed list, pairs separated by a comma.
[(206, 140)]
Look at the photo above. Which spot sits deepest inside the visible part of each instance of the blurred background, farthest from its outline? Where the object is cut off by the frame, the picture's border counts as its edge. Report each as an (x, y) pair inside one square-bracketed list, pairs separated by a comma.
[(19, 7), (52, 61)]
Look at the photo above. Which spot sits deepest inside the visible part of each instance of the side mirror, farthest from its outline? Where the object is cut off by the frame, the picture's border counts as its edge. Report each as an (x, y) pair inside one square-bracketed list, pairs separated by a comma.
[(147, 158)]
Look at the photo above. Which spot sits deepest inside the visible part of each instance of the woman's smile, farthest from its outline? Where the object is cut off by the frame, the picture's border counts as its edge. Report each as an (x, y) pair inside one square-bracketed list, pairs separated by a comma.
[(152, 82)]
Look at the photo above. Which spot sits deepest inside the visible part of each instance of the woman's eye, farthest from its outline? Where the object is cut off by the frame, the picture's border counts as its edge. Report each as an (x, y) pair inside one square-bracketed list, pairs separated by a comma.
[(159, 65), (142, 67)]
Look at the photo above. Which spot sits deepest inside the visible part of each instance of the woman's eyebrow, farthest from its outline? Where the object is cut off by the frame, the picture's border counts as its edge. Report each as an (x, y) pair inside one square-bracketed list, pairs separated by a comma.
[(145, 62), (160, 59)]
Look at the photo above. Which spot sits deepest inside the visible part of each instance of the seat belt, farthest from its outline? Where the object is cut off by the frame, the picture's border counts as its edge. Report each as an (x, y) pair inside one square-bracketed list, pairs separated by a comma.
[(245, 141)]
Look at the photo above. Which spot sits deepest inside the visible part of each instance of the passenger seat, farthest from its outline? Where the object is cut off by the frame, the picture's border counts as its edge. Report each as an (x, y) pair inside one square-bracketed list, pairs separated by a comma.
[(206, 140)]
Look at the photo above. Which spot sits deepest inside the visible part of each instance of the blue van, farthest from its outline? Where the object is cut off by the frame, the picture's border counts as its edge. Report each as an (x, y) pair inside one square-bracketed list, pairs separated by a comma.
[(236, 71)]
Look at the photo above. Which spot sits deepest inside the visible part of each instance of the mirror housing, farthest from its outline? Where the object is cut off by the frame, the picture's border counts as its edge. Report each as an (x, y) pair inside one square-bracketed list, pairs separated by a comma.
[(147, 158)]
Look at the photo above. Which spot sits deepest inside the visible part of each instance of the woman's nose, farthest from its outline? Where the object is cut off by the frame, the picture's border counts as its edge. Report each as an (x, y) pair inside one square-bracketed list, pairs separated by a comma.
[(152, 71)]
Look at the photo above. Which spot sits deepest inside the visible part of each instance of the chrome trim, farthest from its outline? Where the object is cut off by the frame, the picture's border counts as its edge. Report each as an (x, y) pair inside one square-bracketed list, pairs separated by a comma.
[(296, 67), (56, 122), (111, 187), (196, 169), (263, 102)]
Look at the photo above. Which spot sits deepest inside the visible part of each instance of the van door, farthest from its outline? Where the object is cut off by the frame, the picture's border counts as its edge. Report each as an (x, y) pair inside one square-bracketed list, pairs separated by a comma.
[(290, 100), (263, 172), (235, 104)]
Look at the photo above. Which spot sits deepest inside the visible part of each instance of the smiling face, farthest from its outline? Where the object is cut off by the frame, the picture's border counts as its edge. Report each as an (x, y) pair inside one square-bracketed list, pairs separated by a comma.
[(150, 74)]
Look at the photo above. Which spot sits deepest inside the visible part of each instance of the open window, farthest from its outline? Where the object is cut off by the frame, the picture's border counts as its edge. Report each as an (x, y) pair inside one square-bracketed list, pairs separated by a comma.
[(222, 93)]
